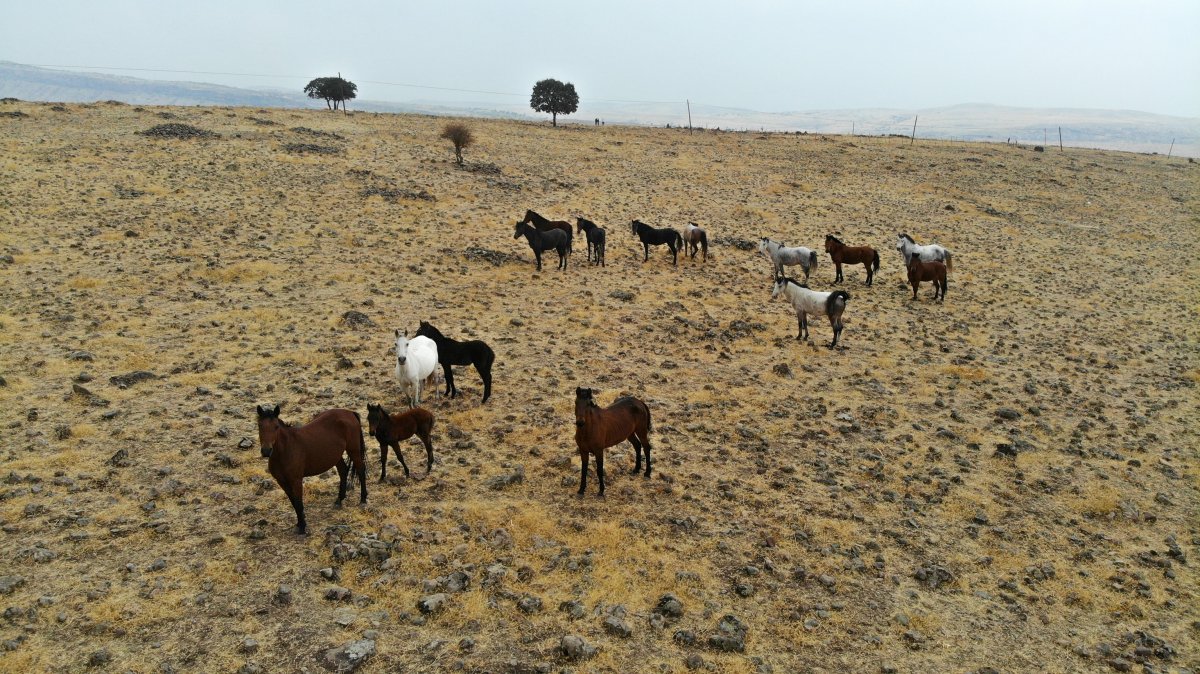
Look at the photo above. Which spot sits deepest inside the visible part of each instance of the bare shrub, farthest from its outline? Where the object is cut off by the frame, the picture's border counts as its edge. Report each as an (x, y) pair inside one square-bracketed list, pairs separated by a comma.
[(460, 135)]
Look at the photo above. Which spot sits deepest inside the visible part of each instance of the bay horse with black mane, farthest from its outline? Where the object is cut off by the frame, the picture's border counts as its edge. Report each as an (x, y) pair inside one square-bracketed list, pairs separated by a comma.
[(545, 225), (841, 254), (453, 352), (927, 271), (296, 453), (595, 239), (597, 429), (657, 236), (694, 239), (540, 242), (390, 429)]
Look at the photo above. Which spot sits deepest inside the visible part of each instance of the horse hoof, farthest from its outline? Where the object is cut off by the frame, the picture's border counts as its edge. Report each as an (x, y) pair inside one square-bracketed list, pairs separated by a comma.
[(337, 504)]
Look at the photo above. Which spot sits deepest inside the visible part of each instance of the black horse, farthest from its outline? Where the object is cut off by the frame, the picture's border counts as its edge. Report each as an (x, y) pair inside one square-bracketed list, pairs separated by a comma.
[(546, 224), (595, 239), (554, 239), (654, 236), (453, 352)]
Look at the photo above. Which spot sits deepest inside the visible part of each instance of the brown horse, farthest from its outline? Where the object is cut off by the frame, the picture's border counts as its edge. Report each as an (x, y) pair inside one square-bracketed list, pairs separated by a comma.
[(545, 225), (296, 453), (841, 253), (927, 271), (390, 429), (597, 429)]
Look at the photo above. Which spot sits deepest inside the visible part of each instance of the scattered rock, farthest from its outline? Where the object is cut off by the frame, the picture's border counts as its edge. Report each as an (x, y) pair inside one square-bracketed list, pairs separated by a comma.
[(432, 603), (348, 657), (10, 583), (127, 380), (730, 636), (357, 319), (575, 648)]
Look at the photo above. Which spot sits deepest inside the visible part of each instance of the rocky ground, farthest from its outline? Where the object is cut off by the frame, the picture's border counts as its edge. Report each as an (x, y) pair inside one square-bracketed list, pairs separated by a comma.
[(1004, 482)]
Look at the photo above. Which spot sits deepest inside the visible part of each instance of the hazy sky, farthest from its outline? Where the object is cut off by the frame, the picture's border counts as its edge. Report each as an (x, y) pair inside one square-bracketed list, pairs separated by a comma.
[(768, 55)]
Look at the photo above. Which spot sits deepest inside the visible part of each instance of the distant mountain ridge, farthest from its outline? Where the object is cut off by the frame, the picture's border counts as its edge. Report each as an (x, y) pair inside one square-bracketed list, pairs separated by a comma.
[(1108, 129)]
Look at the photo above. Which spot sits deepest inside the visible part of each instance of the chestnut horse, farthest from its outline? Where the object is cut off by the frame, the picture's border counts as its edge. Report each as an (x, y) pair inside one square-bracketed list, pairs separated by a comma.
[(841, 253), (695, 239), (390, 429), (545, 225), (599, 428), (296, 453), (927, 271)]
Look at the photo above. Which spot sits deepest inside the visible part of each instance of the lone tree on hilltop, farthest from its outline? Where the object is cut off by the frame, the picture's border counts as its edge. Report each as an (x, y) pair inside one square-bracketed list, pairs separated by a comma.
[(460, 135), (334, 90), (554, 97)]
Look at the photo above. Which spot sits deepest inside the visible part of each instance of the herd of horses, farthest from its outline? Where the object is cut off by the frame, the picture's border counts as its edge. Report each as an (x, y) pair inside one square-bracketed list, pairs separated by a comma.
[(334, 438)]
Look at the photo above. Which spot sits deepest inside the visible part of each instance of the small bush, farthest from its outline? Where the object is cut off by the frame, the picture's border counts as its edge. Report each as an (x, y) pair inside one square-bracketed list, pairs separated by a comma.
[(460, 135)]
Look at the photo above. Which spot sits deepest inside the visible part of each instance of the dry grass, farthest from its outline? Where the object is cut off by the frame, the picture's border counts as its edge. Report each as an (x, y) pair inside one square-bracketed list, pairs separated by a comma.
[(228, 277)]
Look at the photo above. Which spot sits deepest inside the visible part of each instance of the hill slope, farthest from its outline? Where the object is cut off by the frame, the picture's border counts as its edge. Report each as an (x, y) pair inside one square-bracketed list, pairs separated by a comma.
[(1006, 480)]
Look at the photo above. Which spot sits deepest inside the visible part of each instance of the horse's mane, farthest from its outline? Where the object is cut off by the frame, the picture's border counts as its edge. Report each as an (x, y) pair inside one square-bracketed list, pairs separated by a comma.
[(910, 239), (788, 279), (433, 332), (839, 241)]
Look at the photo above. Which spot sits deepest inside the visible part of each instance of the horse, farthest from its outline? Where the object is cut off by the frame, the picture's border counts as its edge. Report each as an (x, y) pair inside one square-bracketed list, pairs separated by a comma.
[(453, 352), (928, 253), (296, 453), (543, 241), (595, 239), (416, 362), (808, 302), (598, 428), (545, 225), (781, 255), (694, 239), (841, 253), (657, 236), (390, 429), (927, 271)]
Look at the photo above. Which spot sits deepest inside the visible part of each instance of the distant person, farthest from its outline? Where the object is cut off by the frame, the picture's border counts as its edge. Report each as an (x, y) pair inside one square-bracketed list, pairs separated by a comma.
[(597, 121)]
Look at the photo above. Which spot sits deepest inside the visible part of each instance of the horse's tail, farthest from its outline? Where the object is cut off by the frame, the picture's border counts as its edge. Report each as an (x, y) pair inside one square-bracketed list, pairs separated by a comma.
[(704, 242), (949, 264), (876, 260), (678, 240), (812, 260)]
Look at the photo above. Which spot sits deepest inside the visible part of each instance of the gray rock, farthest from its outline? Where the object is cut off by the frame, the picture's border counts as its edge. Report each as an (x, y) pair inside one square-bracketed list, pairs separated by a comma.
[(730, 636), (685, 637), (573, 609), (283, 595), (529, 604), (457, 581), (617, 626), (432, 603), (694, 661), (348, 657), (669, 606), (131, 378), (248, 646), (10, 583), (575, 648), (99, 658), (337, 593), (1008, 414)]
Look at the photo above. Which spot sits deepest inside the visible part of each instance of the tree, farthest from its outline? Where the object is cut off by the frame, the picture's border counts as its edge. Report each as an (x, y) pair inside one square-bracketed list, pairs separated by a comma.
[(554, 97), (334, 90), (460, 135)]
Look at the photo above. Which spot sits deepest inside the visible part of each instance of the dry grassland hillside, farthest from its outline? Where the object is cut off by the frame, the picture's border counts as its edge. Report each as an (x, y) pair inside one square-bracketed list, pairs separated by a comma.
[(1005, 482)]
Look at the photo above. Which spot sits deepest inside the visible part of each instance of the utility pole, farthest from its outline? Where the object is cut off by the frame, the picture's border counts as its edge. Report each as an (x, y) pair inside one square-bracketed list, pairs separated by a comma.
[(913, 139), (689, 106)]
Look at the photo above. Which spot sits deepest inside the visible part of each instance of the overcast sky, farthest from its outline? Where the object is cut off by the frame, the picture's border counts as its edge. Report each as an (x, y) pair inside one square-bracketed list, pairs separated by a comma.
[(768, 55)]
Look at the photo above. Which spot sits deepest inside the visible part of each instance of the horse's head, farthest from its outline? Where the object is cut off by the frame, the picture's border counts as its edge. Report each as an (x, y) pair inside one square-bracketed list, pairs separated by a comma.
[(529, 216), (427, 330), (268, 429), (830, 243), (520, 229), (375, 415), (583, 400), (904, 241), (401, 346), (780, 284)]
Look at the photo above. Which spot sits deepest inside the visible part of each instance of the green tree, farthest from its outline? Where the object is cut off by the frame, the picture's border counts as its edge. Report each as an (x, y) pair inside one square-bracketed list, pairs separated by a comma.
[(334, 90), (460, 135), (554, 97)]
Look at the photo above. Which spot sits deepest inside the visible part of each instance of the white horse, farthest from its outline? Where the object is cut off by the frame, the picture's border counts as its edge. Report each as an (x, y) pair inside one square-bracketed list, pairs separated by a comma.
[(927, 253), (781, 255), (811, 303), (416, 362)]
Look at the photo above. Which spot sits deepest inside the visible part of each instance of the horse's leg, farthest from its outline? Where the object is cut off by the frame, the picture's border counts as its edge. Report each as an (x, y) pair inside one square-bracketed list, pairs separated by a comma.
[(600, 470), (450, 389), (400, 455), (425, 440), (360, 467), (674, 253), (538, 254), (637, 452), (837, 277), (646, 255), (343, 471), (295, 493), (383, 451), (583, 462), (870, 274), (646, 450)]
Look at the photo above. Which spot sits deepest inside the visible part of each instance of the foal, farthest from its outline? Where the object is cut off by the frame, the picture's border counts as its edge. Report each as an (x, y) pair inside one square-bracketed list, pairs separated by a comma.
[(390, 429), (453, 352), (597, 429), (695, 238), (927, 271), (296, 453), (595, 239), (841, 253), (811, 303)]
